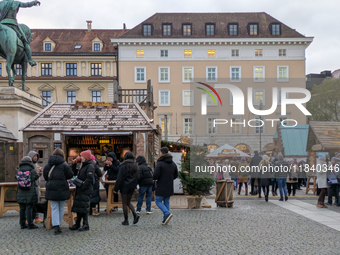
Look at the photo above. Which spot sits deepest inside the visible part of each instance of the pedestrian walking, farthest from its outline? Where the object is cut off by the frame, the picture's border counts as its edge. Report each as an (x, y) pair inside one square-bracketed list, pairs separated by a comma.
[(254, 167), (292, 178), (273, 182), (264, 167), (234, 164), (243, 176), (126, 183), (165, 173), (56, 173), (282, 168), (81, 204), (145, 182), (321, 175), (27, 194)]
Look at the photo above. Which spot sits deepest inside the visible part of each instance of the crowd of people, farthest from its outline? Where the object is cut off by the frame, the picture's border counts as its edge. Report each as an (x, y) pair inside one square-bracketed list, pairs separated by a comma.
[(263, 176), (85, 174)]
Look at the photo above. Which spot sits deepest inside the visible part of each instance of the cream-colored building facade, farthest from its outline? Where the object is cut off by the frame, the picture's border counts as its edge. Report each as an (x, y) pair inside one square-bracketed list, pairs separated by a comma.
[(72, 64), (164, 50)]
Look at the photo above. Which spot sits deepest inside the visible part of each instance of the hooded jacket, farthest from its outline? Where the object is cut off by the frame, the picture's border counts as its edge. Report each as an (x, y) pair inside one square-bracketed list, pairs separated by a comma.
[(282, 169), (254, 166), (165, 173), (57, 188), (31, 154), (145, 174), (29, 196), (127, 177), (112, 170)]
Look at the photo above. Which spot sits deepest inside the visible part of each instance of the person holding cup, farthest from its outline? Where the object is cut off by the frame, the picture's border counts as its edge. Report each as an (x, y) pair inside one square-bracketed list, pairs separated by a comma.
[(81, 204)]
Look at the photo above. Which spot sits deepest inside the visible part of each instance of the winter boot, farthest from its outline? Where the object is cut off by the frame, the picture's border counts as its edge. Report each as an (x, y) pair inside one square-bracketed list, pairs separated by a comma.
[(135, 217), (77, 225), (57, 230), (85, 226), (246, 192), (95, 212), (239, 190)]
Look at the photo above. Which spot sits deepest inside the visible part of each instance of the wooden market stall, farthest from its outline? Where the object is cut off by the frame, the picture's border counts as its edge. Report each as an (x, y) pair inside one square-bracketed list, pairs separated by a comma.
[(101, 127), (226, 152), (323, 137)]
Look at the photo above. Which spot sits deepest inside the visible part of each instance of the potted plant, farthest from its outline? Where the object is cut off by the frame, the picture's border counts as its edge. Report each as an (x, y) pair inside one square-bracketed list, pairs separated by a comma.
[(195, 184)]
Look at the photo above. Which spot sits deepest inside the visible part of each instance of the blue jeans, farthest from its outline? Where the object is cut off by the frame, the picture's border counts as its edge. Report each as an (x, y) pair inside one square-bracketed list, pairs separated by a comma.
[(163, 204), (142, 191), (235, 179), (282, 186), (57, 212)]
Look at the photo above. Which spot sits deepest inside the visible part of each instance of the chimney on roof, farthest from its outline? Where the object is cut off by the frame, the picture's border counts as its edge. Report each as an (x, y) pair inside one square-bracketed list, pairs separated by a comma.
[(89, 25), (124, 26)]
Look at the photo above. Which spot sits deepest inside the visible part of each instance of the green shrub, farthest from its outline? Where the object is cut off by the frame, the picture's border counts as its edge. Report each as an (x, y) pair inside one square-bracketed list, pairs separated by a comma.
[(195, 184)]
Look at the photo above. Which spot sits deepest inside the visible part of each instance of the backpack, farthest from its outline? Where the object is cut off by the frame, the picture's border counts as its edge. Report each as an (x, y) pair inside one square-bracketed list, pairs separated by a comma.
[(24, 179)]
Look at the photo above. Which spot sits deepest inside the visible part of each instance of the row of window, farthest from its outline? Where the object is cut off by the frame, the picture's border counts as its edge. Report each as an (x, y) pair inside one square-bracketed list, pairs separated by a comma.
[(211, 74), (71, 69), (188, 98), (188, 125), (48, 47), (71, 97), (210, 29), (212, 53)]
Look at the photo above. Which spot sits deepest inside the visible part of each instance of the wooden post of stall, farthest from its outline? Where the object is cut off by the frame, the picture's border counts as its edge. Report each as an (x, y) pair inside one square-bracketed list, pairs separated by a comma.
[(149, 109), (115, 92)]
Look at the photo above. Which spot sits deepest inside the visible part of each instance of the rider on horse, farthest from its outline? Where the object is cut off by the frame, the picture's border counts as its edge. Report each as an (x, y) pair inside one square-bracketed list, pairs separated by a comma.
[(8, 13)]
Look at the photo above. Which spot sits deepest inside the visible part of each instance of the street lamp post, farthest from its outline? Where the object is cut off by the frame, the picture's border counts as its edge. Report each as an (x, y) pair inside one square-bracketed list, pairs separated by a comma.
[(261, 107)]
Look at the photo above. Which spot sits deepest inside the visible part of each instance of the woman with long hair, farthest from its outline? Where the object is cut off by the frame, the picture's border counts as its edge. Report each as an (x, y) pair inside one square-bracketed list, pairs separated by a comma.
[(264, 168), (56, 173), (126, 183)]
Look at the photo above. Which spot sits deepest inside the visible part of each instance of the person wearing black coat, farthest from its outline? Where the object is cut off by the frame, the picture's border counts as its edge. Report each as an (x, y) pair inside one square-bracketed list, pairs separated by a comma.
[(255, 174), (81, 204), (112, 169), (26, 198), (56, 173), (126, 183), (165, 173), (145, 181), (95, 196)]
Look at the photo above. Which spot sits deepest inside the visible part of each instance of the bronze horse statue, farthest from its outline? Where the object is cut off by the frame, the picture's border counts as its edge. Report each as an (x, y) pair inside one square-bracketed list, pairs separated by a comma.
[(14, 53)]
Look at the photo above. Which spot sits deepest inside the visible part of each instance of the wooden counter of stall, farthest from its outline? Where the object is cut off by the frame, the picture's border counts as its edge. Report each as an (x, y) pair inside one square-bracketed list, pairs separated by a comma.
[(323, 137)]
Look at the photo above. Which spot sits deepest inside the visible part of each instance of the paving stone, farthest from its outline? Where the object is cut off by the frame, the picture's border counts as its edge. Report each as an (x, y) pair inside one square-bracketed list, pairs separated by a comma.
[(250, 227)]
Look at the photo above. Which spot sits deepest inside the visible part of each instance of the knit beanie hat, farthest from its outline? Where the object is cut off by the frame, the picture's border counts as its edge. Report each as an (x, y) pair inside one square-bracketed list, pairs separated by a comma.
[(280, 156), (93, 158), (26, 159), (86, 154), (322, 156), (243, 159)]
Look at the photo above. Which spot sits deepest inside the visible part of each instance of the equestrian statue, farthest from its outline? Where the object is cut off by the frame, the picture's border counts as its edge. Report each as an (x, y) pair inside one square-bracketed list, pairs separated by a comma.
[(15, 39)]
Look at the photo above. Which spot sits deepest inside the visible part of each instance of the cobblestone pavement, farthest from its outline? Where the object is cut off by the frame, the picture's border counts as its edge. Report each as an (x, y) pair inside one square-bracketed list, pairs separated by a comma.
[(250, 227)]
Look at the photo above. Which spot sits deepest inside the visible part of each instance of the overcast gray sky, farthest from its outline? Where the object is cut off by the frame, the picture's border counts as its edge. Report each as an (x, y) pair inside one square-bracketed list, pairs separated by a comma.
[(316, 18)]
